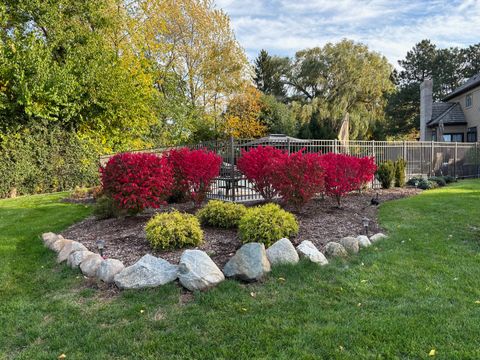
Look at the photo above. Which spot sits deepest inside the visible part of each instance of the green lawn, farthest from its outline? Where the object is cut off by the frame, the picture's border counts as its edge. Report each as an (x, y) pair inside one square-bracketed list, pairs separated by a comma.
[(401, 298)]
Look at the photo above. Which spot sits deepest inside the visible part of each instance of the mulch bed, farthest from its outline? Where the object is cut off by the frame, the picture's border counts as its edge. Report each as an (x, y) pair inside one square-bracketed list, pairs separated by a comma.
[(320, 222)]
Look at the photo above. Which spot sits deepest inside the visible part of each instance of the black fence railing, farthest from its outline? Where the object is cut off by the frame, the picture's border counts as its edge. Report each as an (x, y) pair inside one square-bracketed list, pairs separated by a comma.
[(423, 159)]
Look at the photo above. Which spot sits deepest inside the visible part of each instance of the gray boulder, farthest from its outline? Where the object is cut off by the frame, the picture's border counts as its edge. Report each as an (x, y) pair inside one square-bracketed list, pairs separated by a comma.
[(90, 264), (75, 258), (197, 271), (108, 269), (307, 250), (350, 244), (333, 249), (363, 241), (149, 271), (377, 237), (282, 252), (69, 247), (249, 263)]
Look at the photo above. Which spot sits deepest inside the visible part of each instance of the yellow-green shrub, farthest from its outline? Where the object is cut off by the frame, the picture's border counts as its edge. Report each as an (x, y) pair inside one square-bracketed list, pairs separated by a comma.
[(267, 224), (173, 230), (221, 214)]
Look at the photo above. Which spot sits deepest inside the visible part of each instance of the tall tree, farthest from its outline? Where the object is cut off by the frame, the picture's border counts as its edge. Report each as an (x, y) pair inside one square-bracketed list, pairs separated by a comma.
[(336, 79), (269, 72)]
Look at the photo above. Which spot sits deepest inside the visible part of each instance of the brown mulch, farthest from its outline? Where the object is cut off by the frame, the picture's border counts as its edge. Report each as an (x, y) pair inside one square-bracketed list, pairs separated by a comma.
[(320, 222)]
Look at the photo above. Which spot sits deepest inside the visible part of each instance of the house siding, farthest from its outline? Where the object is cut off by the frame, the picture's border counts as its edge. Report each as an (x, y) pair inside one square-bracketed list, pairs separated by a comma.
[(472, 113)]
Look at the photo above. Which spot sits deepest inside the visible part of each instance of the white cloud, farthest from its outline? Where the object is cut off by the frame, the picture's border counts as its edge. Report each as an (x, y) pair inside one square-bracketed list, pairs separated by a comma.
[(391, 28)]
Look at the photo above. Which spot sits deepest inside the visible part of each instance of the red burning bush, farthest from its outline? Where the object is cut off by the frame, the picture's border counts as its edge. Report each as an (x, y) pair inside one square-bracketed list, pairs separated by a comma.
[(136, 181), (298, 177), (193, 172), (346, 173), (259, 166)]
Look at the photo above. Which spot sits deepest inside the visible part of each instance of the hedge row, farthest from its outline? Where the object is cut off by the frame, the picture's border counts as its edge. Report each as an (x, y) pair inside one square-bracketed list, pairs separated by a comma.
[(45, 160)]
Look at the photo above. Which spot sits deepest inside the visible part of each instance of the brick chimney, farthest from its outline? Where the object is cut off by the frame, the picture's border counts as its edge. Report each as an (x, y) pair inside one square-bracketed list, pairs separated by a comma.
[(426, 104)]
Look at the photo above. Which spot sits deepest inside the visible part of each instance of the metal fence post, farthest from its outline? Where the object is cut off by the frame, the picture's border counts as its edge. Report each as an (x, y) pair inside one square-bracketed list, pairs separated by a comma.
[(232, 166), (476, 159), (431, 159), (455, 160), (335, 146), (288, 145)]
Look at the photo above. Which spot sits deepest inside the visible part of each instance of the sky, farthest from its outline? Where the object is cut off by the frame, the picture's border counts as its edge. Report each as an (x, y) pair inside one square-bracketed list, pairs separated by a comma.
[(391, 27)]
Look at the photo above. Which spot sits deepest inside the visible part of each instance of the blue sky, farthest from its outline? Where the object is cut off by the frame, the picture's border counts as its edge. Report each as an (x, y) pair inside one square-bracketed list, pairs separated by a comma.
[(387, 26)]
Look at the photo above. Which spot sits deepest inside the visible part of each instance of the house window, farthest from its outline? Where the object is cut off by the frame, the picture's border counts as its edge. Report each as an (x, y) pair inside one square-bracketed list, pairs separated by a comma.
[(453, 137), (434, 135), (468, 101), (472, 134)]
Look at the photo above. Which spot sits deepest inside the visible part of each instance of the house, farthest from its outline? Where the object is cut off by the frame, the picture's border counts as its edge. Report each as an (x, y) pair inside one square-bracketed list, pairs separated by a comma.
[(456, 118)]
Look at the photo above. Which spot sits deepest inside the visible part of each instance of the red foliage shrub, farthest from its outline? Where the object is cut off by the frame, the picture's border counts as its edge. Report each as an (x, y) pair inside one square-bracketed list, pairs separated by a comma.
[(194, 171), (176, 158), (259, 166), (345, 173), (136, 181), (298, 177)]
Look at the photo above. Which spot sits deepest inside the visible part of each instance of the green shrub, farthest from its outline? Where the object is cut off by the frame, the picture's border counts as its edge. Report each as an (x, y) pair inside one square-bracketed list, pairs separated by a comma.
[(42, 160), (440, 180), (449, 179), (426, 184), (400, 165), (104, 208), (173, 230), (267, 224), (414, 181), (386, 174), (221, 214)]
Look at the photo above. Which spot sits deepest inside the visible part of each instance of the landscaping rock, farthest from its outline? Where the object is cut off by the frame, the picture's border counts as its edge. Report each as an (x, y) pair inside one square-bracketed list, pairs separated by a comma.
[(69, 247), (197, 271), (149, 271), (307, 250), (90, 264), (249, 263), (333, 249), (377, 237), (48, 238), (363, 241), (350, 244), (75, 258), (108, 269), (282, 252), (58, 245)]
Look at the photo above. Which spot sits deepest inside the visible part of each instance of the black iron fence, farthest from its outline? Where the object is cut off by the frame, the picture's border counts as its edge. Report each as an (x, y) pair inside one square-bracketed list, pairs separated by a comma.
[(423, 159)]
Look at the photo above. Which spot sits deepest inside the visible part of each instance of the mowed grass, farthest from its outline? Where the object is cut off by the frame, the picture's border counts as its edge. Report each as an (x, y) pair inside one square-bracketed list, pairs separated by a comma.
[(399, 299)]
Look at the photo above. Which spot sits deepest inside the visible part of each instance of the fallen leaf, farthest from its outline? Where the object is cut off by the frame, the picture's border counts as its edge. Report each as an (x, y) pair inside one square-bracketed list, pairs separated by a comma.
[(363, 281), (252, 294), (142, 311), (359, 304), (281, 279), (432, 352), (477, 302), (244, 309), (62, 356)]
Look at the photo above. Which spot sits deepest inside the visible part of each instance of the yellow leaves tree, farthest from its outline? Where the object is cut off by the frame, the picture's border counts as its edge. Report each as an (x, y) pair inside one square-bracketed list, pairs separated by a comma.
[(242, 118)]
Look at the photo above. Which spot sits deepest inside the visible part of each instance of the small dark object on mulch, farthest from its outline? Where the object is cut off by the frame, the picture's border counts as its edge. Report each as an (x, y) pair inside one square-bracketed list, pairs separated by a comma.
[(320, 221)]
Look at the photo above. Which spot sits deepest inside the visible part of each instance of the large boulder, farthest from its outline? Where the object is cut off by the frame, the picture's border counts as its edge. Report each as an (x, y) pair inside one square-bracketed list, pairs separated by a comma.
[(58, 245), (249, 263), (108, 269), (49, 238), (75, 258), (308, 251), (90, 264), (363, 241), (197, 271), (333, 249), (350, 244), (149, 271), (69, 247), (282, 252), (377, 237)]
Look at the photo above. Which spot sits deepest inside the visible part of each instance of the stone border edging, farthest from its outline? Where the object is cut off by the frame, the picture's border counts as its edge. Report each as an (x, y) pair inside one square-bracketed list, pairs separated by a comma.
[(196, 271)]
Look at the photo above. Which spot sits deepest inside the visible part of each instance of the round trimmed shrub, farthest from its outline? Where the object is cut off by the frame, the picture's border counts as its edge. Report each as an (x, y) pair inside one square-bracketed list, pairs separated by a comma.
[(221, 214), (440, 180), (173, 230), (267, 224)]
